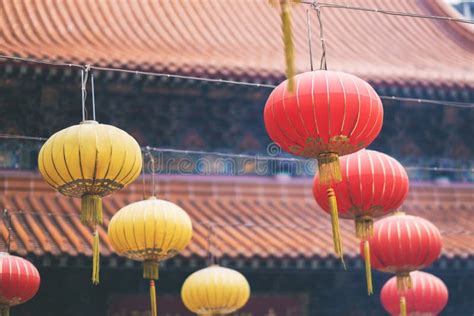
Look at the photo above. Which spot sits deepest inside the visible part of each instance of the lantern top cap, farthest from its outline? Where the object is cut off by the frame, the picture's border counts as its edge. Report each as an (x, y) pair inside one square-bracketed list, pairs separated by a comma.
[(89, 122), (399, 213)]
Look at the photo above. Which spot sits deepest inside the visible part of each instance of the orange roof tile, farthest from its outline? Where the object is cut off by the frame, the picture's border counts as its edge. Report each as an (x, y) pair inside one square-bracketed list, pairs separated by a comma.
[(241, 38), (262, 217)]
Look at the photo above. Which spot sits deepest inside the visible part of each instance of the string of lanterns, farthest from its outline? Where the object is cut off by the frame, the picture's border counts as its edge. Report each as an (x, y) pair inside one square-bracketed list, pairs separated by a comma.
[(428, 295), (326, 115), (331, 116)]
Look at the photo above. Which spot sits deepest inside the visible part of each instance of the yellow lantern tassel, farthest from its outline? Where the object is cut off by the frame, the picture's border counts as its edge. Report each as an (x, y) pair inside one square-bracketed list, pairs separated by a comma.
[(151, 270), (364, 227), (288, 43), (403, 306), (4, 310), (95, 258), (329, 168), (154, 310), (403, 281), (368, 268), (336, 232), (91, 210)]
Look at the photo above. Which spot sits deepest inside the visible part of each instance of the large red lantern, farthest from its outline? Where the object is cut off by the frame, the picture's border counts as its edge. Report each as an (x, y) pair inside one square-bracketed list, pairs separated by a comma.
[(328, 114), (428, 296), (401, 244), (19, 281), (373, 184)]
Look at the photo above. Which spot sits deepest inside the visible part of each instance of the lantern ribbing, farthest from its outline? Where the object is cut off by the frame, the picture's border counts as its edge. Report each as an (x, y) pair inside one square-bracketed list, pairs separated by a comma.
[(328, 115), (89, 161)]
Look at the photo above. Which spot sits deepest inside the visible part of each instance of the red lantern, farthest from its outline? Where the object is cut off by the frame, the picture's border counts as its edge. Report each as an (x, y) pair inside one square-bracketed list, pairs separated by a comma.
[(19, 281), (428, 296), (401, 244), (329, 114), (373, 184)]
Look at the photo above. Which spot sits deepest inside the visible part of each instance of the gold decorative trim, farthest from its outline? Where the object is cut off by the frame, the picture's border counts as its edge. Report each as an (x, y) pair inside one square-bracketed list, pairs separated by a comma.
[(314, 147), (81, 187)]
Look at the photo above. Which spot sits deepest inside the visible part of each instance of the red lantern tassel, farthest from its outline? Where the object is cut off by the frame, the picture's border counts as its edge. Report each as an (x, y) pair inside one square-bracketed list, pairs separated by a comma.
[(4, 310), (403, 306), (154, 309), (368, 268), (336, 232)]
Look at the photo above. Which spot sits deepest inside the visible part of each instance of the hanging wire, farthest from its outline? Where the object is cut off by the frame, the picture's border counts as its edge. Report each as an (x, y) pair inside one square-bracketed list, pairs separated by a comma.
[(12, 136), (308, 21), (8, 221), (323, 64), (143, 177), (148, 150), (93, 96), (84, 76), (210, 244), (152, 161), (213, 80), (390, 12)]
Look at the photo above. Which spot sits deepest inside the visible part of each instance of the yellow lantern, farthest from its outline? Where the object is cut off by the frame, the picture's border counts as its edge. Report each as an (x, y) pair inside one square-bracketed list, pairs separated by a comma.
[(89, 161), (215, 290), (150, 231)]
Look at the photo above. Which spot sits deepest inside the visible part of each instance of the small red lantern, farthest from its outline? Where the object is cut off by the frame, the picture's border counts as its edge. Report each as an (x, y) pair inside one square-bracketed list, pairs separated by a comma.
[(401, 244), (373, 184), (329, 114), (428, 296), (19, 281)]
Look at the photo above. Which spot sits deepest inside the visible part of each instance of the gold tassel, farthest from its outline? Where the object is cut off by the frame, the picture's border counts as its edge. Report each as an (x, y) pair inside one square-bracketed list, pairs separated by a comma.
[(151, 270), (403, 306), (368, 268), (336, 232), (91, 210), (154, 310), (403, 281), (329, 168), (364, 227), (95, 258), (4, 310), (288, 43)]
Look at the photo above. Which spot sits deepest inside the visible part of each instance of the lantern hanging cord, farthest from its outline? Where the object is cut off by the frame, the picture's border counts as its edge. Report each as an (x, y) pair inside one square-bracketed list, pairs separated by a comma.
[(143, 177), (93, 96), (323, 64), (210, 243), (8, 220), (84, 77), (152, 161), (214, 80), (308, 21)]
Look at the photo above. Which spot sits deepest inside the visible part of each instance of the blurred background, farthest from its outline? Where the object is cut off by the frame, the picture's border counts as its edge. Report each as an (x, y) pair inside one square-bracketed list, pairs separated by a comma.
[(292, 270)]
